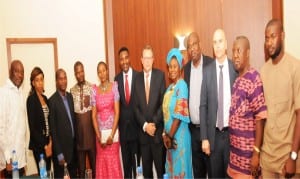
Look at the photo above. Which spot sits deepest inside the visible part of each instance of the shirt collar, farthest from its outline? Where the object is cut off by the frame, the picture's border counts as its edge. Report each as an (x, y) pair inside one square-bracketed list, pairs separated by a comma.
[(11, 85), (225, 63), (200, 64), (148, 73), (128, 73)]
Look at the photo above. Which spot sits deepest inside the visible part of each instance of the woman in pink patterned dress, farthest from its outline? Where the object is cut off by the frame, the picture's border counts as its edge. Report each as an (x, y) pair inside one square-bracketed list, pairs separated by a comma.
[(106, 116)]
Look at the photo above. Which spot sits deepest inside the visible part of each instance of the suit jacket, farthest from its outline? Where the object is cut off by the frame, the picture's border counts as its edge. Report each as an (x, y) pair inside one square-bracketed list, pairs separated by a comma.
[(151, 112), (187, 69), (61, 129), (36, 121), (209, 100), (127, 122)]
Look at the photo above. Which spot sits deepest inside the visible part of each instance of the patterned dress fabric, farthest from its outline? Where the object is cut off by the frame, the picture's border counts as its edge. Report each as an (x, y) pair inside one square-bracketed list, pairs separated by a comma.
[(107, 159), (175, 106), (247, 106)]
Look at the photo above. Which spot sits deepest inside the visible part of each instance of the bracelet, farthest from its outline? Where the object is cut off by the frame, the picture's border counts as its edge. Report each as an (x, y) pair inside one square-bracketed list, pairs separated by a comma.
[(256, 149)]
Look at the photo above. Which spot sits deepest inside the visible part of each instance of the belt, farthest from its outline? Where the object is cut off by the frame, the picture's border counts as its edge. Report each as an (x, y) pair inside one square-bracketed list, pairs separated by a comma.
[(223, 130), (195, 125)]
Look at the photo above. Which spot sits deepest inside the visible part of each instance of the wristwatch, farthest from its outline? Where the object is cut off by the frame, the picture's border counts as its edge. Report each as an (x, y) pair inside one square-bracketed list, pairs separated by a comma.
[(294, 155)]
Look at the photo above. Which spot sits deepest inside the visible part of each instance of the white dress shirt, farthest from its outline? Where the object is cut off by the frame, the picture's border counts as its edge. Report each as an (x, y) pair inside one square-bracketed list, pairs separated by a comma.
[(195, 91), (13, 123), (226, 90)]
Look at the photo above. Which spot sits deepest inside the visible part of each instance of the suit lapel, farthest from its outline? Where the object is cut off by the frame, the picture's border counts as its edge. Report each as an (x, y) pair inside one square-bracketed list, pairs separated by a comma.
[(132, 84), (143, 85), (121, 82), (214, 80), (152, 83)]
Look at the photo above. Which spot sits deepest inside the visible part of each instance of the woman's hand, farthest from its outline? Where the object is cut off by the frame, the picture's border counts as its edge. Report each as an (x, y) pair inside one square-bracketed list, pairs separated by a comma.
[(167, 141), (48, 148), (109, 140)]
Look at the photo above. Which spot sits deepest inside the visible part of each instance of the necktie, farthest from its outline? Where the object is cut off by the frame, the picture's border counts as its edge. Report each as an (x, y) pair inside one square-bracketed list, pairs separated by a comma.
[(127, 93), (147, 87), (220, 122)]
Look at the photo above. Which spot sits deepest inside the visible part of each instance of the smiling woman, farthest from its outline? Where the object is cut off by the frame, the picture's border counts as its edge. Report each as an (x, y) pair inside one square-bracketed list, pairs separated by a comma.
[(176, 135)]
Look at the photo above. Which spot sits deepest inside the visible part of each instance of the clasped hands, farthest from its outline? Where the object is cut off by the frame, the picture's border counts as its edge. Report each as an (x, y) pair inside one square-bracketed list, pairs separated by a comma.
[(109, 141), (169, 142), (150, 129)]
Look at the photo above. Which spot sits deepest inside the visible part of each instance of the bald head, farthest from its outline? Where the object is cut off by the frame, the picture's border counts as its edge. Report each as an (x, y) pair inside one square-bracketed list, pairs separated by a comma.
[(244, 41), (193, 35), (16, 72), (241, 54), (220, 45)]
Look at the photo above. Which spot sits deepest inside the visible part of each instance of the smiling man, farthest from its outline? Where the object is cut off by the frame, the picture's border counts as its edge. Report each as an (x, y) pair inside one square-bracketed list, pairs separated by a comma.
[(13, 119), (149, 92), (127, 124)]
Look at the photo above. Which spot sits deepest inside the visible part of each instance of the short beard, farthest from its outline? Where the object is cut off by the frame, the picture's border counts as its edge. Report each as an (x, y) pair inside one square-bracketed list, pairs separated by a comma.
[(277, 52)]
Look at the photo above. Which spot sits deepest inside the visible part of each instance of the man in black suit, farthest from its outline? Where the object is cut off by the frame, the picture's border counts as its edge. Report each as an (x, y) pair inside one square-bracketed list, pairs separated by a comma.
[(218, 79), (193, 72), (62, 125), (149, 88), (127, 124)]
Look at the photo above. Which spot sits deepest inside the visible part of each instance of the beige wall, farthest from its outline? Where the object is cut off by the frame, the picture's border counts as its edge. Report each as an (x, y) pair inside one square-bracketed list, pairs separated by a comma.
[(78, 26), (291, 16)]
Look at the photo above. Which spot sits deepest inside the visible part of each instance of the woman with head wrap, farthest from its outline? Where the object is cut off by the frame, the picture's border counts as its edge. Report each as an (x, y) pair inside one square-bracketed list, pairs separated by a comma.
[(176, 136)]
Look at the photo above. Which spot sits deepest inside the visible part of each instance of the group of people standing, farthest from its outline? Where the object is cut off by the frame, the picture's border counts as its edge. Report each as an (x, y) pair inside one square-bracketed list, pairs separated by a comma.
[(221, 118)]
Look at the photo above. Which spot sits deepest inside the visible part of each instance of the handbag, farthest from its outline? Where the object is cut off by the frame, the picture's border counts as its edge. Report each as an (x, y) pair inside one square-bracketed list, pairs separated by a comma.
[(106, 133)]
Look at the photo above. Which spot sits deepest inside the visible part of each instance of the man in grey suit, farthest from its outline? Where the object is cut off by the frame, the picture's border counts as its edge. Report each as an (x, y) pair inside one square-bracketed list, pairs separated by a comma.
[(193, 72), (218, 79)]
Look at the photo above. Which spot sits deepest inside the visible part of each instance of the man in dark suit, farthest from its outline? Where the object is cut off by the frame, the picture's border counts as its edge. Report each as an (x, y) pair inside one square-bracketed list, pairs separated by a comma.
[(218, 79), (193, 72), (62, 125), (149, 88), (127, 124)]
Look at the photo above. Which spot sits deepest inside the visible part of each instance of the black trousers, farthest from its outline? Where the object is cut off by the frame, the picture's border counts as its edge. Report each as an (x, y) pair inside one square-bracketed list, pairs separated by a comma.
[(91, 154), (131, 156), (219, 157), (72, 167), (200, 161), (153, 152)]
